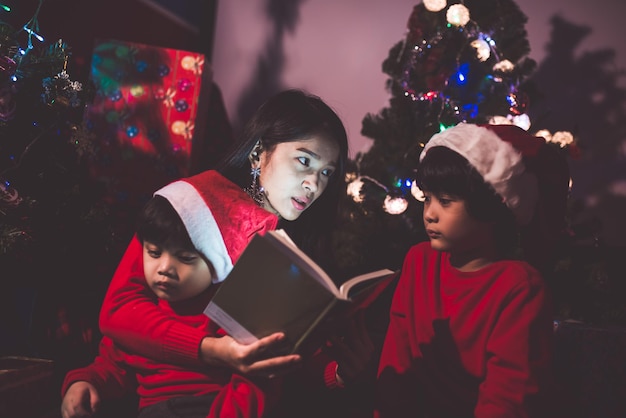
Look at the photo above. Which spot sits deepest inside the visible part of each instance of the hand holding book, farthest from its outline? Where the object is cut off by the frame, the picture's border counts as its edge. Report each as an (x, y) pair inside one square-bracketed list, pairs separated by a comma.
[(274, 286)]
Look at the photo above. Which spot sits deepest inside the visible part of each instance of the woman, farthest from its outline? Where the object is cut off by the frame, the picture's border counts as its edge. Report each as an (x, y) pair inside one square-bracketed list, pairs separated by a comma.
[(291, 161)]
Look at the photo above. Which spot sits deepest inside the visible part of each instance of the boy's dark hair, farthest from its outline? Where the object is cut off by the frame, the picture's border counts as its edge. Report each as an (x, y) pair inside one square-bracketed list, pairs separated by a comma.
[(161, 225), (444, 171)]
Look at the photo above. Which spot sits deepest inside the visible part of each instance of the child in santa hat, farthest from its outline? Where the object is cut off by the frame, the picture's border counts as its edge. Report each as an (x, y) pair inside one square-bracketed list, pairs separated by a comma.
[(470, 331), (183, 256)]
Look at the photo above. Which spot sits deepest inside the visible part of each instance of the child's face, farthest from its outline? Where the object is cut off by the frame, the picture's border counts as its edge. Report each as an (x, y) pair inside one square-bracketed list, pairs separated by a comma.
[(175, 274), (450, 227), (295, 174)]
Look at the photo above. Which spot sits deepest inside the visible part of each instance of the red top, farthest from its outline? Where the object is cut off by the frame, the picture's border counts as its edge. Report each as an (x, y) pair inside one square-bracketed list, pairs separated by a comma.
[(116, 371), (466, 344)]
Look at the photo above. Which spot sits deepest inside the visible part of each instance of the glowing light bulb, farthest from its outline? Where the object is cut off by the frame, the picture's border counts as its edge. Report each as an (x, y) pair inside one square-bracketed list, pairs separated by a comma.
[(354, 190), (505, 66), (33, 33), (435, 5), (417, 193), (395, 205), (458, 15), (483, 51)]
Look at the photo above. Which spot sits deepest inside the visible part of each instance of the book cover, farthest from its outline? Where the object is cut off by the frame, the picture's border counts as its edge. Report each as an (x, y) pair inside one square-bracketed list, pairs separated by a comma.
[(275, 287)]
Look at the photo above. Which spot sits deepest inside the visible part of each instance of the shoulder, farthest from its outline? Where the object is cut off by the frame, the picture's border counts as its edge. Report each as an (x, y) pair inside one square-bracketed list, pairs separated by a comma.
[(227, 201), (422, 251), (520, 276), (421, 248)]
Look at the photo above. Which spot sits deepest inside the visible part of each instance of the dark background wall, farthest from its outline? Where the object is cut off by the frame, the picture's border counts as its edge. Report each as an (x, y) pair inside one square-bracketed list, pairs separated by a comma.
[(179, 24)]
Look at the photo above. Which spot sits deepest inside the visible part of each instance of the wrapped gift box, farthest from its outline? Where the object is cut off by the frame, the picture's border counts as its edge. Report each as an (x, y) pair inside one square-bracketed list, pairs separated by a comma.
[(143, 118)]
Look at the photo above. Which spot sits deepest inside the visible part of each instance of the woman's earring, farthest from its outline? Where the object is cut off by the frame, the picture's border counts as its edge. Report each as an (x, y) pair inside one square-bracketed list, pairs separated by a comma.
[(256, 191)]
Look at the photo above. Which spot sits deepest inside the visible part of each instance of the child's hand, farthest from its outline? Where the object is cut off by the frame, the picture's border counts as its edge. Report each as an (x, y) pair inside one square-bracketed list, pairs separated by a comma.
[(80, 400), (354, 352), (253, 359)]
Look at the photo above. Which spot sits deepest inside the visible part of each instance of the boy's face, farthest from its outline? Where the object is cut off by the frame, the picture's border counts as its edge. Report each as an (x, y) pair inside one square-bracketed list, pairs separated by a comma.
[(450, 227), (175, 274)]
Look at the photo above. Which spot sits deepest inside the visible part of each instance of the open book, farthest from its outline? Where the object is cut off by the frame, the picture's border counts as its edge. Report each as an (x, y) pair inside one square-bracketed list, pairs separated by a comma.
[(274, 286)]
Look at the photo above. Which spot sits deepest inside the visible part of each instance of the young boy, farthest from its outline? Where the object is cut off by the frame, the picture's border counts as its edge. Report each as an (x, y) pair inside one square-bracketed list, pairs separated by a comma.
[(180, 275), (470, 331)]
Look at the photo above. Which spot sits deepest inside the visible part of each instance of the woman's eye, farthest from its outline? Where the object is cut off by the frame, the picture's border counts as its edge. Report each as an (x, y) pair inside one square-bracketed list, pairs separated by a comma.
[(328, 172), (304, 161)]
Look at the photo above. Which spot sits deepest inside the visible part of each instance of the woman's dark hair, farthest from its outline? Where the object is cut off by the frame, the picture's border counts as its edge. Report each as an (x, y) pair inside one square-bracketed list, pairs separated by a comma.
[(295, 115), (444, 171), (160, 224)]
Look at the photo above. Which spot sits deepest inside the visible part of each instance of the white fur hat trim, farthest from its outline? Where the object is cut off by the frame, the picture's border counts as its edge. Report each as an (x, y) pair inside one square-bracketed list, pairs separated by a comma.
[(497, 161), (200, 224)]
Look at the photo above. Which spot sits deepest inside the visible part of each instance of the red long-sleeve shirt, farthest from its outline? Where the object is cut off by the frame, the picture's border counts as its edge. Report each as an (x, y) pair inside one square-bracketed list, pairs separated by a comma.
[(115, 371), (466, 344)]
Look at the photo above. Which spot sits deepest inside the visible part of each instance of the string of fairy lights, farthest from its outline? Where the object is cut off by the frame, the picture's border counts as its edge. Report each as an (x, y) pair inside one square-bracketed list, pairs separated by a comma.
[(30, 64), (452, 110)]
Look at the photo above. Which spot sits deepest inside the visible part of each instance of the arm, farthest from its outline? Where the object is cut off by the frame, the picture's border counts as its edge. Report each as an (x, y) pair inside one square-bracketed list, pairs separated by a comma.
[(519, 356), (131, 317), (83, 389), (395, 386)]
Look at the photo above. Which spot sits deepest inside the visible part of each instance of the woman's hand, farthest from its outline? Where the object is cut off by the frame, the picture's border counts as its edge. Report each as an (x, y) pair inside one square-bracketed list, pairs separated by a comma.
[(254, 359), (81, 400)]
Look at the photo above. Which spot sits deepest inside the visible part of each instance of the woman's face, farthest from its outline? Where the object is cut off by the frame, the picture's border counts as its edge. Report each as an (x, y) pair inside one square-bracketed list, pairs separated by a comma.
[(295, 174)]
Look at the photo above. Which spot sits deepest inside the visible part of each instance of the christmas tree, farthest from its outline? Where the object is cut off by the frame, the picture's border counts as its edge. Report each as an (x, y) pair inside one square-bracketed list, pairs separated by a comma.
[(55, 238), (460, 61), (45, 195)]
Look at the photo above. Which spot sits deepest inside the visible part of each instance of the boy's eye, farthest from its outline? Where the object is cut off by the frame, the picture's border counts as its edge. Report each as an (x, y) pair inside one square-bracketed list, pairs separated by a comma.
[(154, 253), (187, 258), (445, 199)]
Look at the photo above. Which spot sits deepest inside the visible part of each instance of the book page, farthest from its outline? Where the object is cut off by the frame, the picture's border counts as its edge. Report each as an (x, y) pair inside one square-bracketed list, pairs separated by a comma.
[(230, 325), (345, 288), (323, 278), (283, 234)]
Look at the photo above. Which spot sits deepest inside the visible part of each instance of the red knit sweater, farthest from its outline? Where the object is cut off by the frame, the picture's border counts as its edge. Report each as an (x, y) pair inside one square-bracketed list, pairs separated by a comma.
[(466, 344), (116, 371)]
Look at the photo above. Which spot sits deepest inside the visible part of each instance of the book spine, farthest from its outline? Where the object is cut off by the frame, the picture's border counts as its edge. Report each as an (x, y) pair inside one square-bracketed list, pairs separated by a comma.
[(313, 327)]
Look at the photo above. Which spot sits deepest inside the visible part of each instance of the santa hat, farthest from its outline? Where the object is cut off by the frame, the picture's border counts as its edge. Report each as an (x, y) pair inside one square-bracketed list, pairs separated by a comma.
[(220, 218), (531, 176)]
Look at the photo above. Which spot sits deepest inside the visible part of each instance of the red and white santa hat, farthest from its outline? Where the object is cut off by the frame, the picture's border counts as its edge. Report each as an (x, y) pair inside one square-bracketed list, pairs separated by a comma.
[(220, 218), (531, 176), (496, 152)]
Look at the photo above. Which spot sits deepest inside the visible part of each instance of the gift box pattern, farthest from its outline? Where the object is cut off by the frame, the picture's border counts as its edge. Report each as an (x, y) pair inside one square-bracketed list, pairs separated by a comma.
[(143, 116)]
